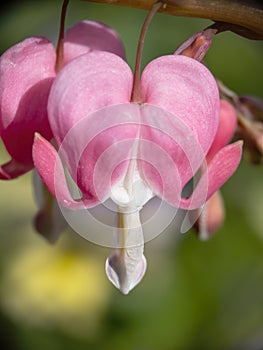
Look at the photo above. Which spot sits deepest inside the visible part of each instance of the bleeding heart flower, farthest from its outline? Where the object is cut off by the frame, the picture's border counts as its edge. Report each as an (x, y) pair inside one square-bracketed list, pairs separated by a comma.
[(130, 139), (133, 151), (27, 72)]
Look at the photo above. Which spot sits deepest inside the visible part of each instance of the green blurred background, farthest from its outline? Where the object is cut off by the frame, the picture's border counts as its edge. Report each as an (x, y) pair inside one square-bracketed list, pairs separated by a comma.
[(195, 295)]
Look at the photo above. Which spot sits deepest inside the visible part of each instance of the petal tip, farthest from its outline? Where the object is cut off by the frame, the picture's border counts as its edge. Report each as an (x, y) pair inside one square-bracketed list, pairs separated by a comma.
[(117, 273), (37, 136)]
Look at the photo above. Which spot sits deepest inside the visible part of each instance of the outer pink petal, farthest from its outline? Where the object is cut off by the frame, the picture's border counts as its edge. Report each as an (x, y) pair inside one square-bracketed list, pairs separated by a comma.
[(170, 152), (185, 88), (50, 169), (98, 148), (27, 72), (87, 36), (218, 171), (77, 116), (226, 129), (85, 85)]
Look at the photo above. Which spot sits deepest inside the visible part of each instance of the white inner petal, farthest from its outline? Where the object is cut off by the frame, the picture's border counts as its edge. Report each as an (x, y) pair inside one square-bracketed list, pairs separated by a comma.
[(126, 266), (134, 195), (119, 195)]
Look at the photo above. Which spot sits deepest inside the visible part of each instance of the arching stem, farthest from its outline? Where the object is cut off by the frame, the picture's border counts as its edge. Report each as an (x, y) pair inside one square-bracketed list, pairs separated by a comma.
[(136, 95), (242, 17), (60, 44)]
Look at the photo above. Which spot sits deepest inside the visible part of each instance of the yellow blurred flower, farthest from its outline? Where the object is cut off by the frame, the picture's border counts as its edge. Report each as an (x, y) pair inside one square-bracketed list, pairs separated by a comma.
[(55, 287)]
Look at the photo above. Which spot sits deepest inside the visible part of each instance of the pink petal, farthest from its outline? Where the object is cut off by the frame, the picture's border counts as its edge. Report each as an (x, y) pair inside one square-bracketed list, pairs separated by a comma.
[(22, 66), (97, 151), (218, 171), (226, 128), (30, 117), (185, 88), (87, 36), (85, 85), (98, 148), (185, 124), (78, 119), (170, 153), (50, 169), (27, 72)]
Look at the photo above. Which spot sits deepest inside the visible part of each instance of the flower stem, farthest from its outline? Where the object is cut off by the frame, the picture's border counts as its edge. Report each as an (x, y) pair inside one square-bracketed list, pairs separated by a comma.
[(60, 44), (245, 15), (136, 95)]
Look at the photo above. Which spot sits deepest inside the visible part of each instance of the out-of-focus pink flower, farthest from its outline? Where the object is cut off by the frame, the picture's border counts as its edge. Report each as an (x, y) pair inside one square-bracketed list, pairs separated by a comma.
[(250, 118), (250, 122), (27, 72), (197, 45), (212, 214)]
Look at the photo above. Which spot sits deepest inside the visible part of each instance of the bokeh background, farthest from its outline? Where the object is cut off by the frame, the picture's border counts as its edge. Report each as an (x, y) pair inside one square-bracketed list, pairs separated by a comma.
[(195, 295)]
